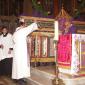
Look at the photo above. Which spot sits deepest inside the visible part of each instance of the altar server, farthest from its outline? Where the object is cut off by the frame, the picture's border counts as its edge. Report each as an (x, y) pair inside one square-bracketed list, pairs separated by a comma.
[(21, 59), (6, 52)]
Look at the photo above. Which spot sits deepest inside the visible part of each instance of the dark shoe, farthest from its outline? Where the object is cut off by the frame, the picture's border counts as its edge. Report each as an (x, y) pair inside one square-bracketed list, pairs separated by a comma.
[(22, 82)]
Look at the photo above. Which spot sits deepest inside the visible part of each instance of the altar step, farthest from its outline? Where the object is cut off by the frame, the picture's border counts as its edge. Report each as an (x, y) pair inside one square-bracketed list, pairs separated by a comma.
[(69, 80), (44, 77), (39, 77)]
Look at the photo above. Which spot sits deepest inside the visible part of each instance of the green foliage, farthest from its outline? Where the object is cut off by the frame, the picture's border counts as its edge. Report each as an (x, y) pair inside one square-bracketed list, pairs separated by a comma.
[(38, 6), (79, 9)]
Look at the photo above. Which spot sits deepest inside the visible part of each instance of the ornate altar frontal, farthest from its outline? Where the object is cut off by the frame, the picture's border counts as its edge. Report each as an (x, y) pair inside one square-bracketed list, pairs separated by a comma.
[(41, 43), (71, 54)]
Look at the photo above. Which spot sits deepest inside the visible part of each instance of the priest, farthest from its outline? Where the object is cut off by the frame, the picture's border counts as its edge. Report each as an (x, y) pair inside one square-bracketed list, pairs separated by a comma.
[(21, 59)]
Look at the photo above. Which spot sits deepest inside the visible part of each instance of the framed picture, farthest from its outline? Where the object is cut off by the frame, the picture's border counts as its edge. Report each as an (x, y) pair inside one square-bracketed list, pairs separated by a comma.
[(44, 47), (51, 47), (32, 46), (37, 46), (82, 57)]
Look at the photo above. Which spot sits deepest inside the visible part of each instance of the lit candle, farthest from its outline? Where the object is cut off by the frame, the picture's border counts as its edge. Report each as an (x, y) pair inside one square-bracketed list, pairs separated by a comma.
[(56, 30)]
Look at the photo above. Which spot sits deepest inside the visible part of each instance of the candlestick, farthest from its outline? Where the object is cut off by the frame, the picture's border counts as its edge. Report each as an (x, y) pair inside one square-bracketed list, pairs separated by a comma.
[(56, 30), (56, 80)]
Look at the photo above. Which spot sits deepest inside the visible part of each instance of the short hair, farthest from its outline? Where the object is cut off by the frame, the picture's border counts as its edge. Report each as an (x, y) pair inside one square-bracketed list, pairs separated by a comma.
[(5, 27)]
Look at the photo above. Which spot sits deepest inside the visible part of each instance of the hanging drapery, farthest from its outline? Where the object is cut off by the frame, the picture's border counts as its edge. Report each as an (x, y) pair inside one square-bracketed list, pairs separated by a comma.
[(64, 50)]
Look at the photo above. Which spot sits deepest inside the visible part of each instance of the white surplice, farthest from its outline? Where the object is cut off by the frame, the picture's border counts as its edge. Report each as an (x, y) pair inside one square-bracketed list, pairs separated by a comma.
[(21, 59), (7, 43)]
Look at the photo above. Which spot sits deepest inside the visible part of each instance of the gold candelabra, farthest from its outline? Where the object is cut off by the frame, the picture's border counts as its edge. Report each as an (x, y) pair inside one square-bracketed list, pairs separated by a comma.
[(57, 80)]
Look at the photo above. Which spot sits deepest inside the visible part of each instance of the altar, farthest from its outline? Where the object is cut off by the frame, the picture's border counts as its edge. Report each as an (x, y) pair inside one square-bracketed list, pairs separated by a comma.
[(71, 54)]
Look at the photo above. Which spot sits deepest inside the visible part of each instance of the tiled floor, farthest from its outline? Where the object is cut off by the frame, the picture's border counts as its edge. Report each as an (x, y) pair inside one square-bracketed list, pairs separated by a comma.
[(8, 81), (48, 69), (39, 74), (68, 80)]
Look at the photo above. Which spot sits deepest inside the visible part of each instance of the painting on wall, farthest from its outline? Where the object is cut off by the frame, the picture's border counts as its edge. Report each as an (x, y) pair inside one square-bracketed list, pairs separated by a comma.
[(51, 47), (44, 46)]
